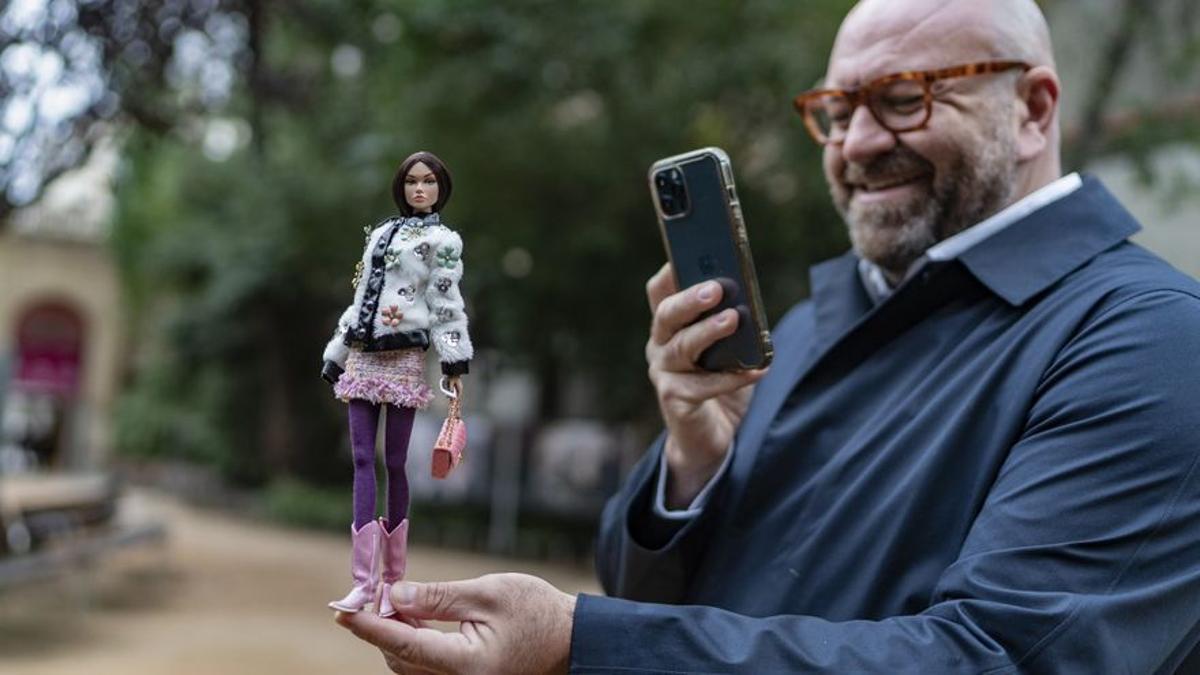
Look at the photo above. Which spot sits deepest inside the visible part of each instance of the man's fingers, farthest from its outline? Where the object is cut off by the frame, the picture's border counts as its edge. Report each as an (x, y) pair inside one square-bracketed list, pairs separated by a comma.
[(444, 600), (682, 309), (370, 627), (696, 388), (395, 665), (425, 648), (410, 620), (660, 286), (681, 352)]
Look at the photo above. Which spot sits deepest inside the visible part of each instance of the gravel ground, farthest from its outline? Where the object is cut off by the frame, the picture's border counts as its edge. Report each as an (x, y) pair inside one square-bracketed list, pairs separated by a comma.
[(222, 597)]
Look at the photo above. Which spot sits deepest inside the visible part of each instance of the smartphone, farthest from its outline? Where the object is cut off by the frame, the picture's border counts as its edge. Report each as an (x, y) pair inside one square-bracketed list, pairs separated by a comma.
[(705, 237)]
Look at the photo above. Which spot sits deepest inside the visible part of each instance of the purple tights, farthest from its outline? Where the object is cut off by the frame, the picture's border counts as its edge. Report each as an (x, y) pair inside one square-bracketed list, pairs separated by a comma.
[(364, 420)]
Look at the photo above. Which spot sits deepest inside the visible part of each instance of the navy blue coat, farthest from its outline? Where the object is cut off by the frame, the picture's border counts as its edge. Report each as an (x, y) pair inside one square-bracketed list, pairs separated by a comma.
[(993, 471)]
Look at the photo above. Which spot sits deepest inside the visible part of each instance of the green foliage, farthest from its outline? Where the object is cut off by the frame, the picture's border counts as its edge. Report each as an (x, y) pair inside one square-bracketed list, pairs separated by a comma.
[(222, 281), (548, 114), (1155, 130), (296, 503)]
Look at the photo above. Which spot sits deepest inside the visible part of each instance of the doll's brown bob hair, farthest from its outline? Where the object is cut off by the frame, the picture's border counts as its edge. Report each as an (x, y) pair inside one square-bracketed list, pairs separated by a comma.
[(440, 172)]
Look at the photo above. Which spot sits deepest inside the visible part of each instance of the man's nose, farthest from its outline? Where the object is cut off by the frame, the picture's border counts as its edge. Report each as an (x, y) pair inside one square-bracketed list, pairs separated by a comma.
[(866, 138)]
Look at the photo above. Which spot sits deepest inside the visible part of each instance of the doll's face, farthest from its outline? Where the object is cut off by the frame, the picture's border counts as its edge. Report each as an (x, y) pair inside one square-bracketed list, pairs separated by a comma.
[(420, 188)]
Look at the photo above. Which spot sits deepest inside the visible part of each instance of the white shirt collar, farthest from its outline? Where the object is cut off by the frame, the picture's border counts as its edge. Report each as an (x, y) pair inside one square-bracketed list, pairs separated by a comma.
[(950, 248)]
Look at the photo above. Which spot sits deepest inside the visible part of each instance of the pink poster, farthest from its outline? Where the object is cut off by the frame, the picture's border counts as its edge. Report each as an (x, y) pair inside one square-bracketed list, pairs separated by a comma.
[(49, 340)]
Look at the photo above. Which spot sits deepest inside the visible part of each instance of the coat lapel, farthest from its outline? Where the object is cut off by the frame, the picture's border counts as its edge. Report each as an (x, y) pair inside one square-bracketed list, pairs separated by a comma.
[(838, 303), (847, 328), (839, 299)]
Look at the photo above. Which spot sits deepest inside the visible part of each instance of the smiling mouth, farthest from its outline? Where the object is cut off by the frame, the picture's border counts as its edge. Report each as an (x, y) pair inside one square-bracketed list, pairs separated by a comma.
[(886, 183)]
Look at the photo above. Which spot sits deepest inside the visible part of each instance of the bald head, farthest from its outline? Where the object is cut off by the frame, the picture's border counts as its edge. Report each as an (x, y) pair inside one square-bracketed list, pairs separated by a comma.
[(925, 34), (983, 140)]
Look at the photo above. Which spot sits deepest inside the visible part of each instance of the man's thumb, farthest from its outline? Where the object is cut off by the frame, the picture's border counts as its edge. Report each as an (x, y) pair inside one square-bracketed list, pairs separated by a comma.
[(437, 600)]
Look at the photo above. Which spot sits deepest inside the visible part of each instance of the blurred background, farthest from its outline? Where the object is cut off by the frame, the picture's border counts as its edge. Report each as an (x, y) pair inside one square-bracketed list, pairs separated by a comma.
[(183, 186)]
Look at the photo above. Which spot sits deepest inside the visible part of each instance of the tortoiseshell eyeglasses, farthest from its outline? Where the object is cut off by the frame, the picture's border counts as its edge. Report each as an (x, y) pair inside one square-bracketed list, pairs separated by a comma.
[(900, 102)]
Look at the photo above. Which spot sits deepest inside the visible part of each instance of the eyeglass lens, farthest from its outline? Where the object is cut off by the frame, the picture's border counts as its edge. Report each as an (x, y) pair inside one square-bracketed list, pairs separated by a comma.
[(899, 105)]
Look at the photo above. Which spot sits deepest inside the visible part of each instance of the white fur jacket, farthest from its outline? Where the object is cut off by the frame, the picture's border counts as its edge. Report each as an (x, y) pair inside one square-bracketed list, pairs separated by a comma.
[(407, 294)]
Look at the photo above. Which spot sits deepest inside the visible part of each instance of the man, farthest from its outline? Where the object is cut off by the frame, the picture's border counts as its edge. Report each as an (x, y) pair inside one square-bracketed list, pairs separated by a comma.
[(976, 450)]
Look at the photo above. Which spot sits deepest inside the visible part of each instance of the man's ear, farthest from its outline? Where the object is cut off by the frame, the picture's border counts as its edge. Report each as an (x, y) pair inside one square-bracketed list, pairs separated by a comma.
[(1037, 109)]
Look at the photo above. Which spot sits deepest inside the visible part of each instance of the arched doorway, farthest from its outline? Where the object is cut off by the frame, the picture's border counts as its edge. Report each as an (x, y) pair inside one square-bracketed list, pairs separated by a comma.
[(46, 371)]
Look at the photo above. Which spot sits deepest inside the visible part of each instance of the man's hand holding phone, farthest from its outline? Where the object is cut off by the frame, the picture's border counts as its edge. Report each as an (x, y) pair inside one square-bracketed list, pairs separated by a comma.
[(701, 408)]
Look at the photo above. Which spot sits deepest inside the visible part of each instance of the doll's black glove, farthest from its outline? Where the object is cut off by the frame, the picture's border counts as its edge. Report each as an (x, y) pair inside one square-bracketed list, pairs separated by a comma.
[(331, 371)]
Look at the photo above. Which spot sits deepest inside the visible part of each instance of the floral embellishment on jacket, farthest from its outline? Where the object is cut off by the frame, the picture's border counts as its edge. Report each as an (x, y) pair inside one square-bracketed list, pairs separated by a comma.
[(447, 257), (407, 289), (392, 316), (409, 231)]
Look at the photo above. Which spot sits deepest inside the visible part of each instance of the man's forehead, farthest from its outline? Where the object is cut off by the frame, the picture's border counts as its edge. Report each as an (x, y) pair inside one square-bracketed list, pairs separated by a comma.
[(882, 37)]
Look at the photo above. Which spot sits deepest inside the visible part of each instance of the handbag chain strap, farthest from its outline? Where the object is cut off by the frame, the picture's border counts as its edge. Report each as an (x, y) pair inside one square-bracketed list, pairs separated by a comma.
[(455, 410)]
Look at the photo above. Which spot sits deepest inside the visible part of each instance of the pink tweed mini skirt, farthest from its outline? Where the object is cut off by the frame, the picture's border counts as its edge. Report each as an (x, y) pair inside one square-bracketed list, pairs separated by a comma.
[(396, 376)]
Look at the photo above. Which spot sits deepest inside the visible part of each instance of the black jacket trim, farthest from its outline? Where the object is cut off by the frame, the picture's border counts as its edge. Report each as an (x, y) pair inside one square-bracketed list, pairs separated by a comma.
[(383, 343), (331, 372), (364, 329)]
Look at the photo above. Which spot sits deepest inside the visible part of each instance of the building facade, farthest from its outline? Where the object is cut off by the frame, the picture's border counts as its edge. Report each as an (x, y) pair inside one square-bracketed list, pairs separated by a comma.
[(61, 325)]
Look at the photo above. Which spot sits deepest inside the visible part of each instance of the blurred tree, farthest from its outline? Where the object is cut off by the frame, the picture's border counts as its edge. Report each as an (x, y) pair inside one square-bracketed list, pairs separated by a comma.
[(572, 103), (1169, 30), (261, 136), (238, 231), (69, 66)]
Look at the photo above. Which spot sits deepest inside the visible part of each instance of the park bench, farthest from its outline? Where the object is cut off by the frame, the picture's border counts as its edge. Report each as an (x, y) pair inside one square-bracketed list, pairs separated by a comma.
[(54, 522)]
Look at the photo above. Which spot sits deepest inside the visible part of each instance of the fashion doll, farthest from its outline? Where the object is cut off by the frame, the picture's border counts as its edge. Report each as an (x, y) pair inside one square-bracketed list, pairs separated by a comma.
[(406, 298)]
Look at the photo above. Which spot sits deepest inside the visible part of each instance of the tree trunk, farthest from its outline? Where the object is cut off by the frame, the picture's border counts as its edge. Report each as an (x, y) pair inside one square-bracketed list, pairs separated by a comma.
[(1134, 14)]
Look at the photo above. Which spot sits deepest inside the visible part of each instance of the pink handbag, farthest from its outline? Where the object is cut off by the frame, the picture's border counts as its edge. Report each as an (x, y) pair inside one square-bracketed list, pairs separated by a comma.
[(448, 449)]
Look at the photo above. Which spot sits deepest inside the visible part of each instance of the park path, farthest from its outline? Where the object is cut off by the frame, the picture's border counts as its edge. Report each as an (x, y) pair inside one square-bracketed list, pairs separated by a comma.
[(224, 596)]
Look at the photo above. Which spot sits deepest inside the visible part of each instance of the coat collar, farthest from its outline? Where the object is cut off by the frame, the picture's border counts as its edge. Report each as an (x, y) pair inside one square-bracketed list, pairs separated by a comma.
[(1015, 263), (1037, 251)]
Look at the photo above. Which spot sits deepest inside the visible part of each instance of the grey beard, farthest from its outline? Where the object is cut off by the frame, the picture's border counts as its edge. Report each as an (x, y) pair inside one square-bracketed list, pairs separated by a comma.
[(973, 188), (894, 237)]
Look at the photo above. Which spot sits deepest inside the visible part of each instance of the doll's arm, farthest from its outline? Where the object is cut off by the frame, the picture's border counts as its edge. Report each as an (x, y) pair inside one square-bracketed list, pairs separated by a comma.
[(336, 351), (448, 318)]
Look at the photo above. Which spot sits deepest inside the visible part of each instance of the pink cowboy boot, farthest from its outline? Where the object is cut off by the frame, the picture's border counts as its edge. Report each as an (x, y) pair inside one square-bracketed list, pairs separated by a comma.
[(365, 552), (395, 561)]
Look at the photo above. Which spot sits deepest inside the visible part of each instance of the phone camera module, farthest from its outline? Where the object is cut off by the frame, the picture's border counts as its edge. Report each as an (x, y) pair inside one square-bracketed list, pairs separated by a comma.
[(672, 192)]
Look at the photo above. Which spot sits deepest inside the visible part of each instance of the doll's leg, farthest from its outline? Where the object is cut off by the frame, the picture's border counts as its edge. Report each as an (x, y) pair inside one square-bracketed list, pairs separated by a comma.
[(364, 420), (365, 534), (395, 532), (399, 426)]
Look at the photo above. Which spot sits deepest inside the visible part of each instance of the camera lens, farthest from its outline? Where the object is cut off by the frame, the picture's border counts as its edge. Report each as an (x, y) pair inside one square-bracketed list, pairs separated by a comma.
[(671, 189)]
